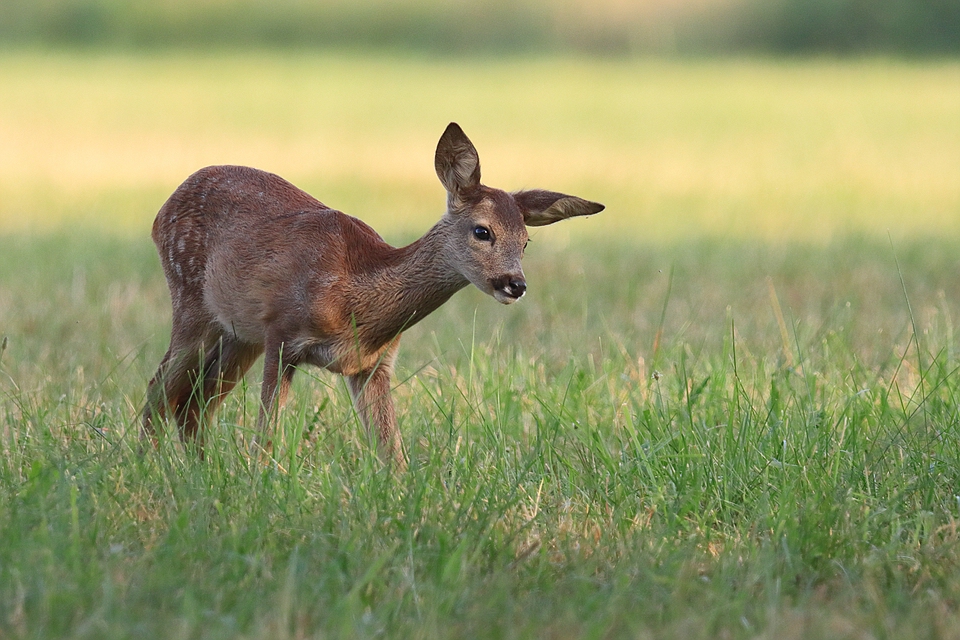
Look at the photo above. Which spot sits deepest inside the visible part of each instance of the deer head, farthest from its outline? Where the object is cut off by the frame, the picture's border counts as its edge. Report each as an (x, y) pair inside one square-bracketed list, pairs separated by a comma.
[(487, 226)]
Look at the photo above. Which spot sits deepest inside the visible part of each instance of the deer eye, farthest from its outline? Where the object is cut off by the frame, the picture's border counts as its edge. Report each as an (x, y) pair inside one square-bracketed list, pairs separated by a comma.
[(481, 233)]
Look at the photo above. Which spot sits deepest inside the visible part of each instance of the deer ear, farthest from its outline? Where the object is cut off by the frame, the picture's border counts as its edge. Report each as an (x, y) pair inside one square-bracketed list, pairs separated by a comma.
[(457, 161), (541, 207)]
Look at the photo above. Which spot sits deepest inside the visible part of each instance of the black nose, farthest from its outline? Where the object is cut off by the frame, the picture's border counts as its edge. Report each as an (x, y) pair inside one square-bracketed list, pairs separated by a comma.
[(516, 288), (511, 286)]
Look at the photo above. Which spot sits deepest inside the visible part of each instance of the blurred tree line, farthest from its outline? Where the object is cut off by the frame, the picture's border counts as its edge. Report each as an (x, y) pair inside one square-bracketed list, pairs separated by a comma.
[(906, 27), (850, 26)]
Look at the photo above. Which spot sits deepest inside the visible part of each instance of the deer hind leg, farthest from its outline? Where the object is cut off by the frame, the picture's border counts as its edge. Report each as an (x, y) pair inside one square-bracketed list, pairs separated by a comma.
[(223, 367), (177, 376), (279, 365), (197, 372), (371, 397), (193, 326), (156, 404)]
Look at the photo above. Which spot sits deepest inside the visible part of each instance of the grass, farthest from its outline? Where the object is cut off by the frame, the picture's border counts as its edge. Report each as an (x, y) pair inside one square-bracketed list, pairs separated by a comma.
[(724, 482), (737, 435)]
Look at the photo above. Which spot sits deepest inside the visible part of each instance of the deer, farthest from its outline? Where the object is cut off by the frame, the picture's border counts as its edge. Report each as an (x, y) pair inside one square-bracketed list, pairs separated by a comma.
[(257, 266)]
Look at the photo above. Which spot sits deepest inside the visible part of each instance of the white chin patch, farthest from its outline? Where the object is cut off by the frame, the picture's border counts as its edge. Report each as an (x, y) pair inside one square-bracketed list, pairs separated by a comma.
[(504, 298)]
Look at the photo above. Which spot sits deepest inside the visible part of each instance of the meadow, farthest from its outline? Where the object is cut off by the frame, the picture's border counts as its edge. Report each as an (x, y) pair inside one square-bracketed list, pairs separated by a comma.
[(727, 407)]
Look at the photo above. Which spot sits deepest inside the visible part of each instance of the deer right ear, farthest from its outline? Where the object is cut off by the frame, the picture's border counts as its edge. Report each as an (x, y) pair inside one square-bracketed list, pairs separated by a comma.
[(541, 207), (457, 162)]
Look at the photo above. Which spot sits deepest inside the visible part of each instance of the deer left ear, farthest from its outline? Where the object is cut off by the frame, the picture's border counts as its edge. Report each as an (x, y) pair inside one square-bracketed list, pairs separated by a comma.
[(541, 207), (457, 162)]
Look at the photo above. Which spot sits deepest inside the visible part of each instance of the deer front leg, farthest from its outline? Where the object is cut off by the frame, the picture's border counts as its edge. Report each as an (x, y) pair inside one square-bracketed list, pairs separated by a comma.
[(278, 370), (371, 397)]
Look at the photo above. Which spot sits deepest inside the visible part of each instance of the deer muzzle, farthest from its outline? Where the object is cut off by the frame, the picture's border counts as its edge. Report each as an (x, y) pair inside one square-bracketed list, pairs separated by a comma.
[(509, 288)]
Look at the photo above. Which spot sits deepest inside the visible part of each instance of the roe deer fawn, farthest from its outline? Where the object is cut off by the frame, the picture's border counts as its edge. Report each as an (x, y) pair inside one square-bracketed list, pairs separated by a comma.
[(255, 265)]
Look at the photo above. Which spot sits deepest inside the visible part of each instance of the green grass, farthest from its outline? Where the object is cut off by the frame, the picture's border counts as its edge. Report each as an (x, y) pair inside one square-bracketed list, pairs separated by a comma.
[(691, 427), (572, 473)]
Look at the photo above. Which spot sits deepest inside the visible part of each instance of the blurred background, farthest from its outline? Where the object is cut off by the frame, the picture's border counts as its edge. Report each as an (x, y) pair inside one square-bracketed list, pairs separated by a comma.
[(770, 119), (607, 27)]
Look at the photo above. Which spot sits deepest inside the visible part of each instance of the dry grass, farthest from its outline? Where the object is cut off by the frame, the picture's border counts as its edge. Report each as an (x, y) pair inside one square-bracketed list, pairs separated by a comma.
[(773, 150)]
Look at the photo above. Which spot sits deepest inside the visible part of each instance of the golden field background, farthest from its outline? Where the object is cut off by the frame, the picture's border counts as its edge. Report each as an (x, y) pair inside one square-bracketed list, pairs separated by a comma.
[(777, 150)]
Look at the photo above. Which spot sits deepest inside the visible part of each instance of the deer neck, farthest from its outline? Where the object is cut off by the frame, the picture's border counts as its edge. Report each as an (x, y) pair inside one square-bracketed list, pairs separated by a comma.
[(411, 284)]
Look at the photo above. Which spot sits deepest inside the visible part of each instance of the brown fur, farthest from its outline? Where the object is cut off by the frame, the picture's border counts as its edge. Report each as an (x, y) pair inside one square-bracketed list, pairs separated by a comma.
[(255, 265)]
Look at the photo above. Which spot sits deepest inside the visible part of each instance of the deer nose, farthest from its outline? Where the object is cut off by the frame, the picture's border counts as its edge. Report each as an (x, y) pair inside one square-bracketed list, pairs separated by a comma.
[(512, 286), (516, 288), (509, 287)]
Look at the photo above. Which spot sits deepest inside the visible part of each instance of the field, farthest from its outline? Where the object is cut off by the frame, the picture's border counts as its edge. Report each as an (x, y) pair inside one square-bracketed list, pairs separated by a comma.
[(728, 406)]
